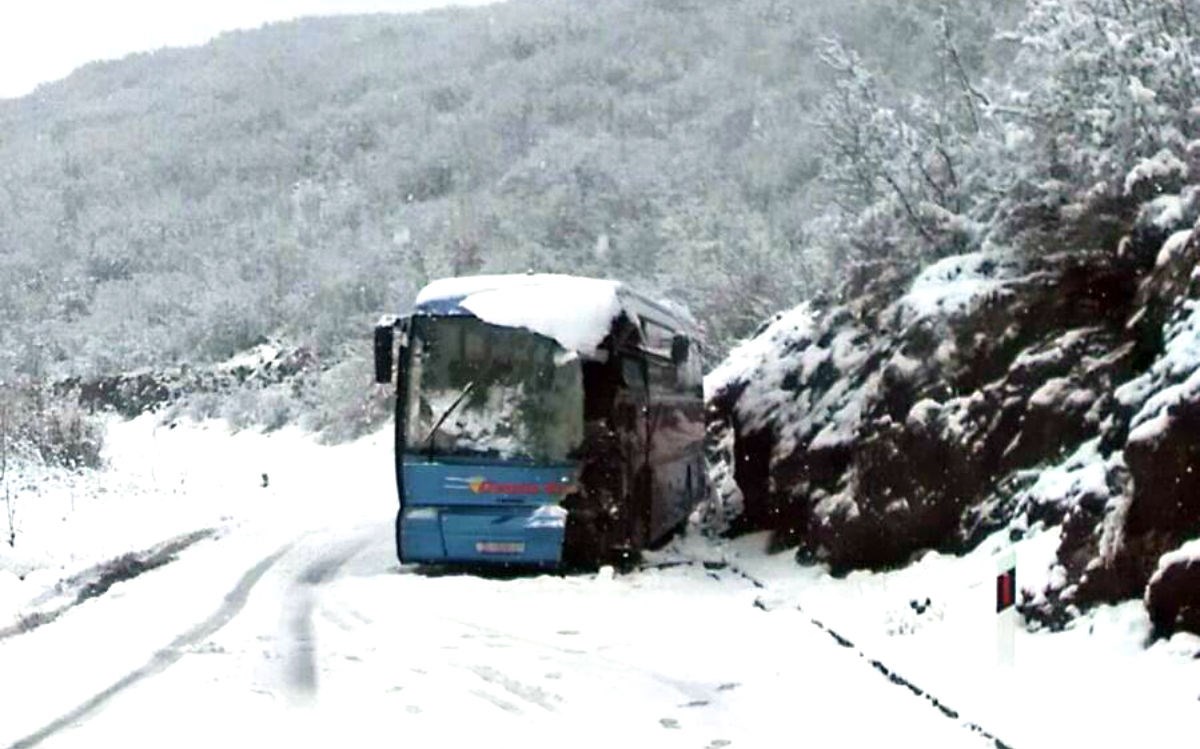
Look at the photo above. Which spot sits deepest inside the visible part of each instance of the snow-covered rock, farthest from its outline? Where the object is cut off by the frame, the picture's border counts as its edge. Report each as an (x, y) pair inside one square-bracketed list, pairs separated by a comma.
[(1173, 594), (887, 434), (1004, 389)]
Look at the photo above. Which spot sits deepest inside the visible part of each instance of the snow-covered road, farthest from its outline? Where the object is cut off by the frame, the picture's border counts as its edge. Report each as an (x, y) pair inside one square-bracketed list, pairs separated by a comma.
[(314, 636), (293, 625), (322, 640)]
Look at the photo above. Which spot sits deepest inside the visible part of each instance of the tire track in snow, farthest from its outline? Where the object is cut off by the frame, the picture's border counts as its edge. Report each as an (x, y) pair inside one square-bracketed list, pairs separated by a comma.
[(234, 601), (301, 667), (531, 694)]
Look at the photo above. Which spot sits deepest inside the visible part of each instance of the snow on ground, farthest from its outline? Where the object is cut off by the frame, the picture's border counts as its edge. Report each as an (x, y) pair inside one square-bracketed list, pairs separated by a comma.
[(934, 623), (297, 626), (543, 661), (160, 482)]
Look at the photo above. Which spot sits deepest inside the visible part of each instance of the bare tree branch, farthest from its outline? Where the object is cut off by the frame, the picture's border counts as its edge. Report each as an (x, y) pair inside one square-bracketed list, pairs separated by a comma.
[(972, 96), (915, 219)]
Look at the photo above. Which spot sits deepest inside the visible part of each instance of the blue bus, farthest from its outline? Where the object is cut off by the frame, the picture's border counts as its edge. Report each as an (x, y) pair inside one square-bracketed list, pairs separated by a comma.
[(542, 420)]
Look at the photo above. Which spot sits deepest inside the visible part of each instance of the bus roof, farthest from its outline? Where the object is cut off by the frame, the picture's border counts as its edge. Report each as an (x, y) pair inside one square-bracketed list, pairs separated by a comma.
[(574, 310)]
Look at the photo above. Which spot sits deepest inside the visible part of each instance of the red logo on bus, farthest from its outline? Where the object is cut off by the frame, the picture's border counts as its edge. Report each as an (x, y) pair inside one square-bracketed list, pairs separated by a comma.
[(480, 485)]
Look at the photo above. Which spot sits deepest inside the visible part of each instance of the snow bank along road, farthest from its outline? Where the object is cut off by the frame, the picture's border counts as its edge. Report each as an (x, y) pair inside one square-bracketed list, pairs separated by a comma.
[(296, 625)]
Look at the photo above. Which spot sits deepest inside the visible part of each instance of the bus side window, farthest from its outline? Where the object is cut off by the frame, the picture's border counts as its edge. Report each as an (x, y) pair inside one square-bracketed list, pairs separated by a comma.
[(691, 372), (633, 373), (663, 376), (657, 337)]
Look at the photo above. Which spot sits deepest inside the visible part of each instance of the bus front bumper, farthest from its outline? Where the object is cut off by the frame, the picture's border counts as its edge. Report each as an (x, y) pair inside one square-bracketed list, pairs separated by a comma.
[(484, 535)]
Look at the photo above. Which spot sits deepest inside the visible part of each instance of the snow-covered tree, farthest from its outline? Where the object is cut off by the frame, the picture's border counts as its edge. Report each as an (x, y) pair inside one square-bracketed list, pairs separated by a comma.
[(1101, 84)]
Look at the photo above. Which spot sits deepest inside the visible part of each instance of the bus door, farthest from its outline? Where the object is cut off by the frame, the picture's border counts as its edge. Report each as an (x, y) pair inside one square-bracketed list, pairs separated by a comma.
[(633, 415), (665, 470), (674, 428)]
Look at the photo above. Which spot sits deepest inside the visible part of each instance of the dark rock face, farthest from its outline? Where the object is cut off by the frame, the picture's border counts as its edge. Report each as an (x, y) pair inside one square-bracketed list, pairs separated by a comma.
[(929, 414), (1173, 597), (127, 395), (865, 438), (1164, 509), (1158, 510)]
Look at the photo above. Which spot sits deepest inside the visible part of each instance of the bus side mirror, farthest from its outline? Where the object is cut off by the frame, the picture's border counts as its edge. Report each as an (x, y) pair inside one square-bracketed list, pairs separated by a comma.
[(679, 349), (385, 340)]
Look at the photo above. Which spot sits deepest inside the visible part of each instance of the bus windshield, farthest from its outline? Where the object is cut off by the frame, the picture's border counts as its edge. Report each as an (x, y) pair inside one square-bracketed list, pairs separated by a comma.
[(476, 389)]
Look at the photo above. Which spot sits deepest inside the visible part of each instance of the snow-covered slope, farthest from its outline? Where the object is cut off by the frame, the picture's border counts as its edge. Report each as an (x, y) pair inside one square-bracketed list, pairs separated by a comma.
[(1006, 389)]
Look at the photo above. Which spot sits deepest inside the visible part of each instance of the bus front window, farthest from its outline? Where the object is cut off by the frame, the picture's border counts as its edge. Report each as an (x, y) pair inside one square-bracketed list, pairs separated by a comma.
[(481, 390)]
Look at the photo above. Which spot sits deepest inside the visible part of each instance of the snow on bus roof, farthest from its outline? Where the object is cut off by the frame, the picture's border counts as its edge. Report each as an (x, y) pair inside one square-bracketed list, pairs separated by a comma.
[(573, 310)]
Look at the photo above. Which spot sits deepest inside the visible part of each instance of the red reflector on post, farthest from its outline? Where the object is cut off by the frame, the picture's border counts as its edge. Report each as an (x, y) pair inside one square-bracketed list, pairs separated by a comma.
[(1006, 590)]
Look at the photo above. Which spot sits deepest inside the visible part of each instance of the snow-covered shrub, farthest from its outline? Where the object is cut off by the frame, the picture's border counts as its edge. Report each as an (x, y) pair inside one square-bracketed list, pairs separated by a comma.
[(1162, 173), (892, 169), (48, 426), (1093, 112), (345, 404), (267, 409)]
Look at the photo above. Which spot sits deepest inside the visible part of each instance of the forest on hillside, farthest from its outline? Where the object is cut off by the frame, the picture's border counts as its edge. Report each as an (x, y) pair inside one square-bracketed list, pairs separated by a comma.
[(179, 206), (296, 181)]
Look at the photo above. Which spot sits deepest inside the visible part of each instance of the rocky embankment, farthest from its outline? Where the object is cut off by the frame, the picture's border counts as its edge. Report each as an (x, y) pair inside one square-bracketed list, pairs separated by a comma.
[(131, 394), (1051, 378)]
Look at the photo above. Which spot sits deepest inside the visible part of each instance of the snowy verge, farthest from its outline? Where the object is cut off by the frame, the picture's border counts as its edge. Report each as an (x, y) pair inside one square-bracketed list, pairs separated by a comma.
[(164, 482), (934, 624), (97, 580)]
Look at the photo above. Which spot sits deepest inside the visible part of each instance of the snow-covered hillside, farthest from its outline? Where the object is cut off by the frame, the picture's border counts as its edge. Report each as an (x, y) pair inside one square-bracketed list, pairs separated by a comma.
[(1003, 391)]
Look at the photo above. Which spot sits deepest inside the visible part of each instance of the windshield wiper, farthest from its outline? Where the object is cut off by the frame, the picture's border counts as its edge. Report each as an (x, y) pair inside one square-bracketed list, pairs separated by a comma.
[(446, 414)]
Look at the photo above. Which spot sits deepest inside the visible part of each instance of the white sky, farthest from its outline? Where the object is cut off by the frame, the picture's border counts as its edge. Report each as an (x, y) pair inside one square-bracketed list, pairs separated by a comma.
[(44, 40)]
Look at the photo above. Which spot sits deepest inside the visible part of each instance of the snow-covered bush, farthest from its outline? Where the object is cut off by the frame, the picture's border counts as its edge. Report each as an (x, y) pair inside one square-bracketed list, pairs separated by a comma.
[(345, 405), (893, 170), (47, 426), (1093, 112), (267, 409)]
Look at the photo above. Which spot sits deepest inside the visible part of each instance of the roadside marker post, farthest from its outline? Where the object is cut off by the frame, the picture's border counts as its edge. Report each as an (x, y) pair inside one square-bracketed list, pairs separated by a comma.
[(1006, 607)]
